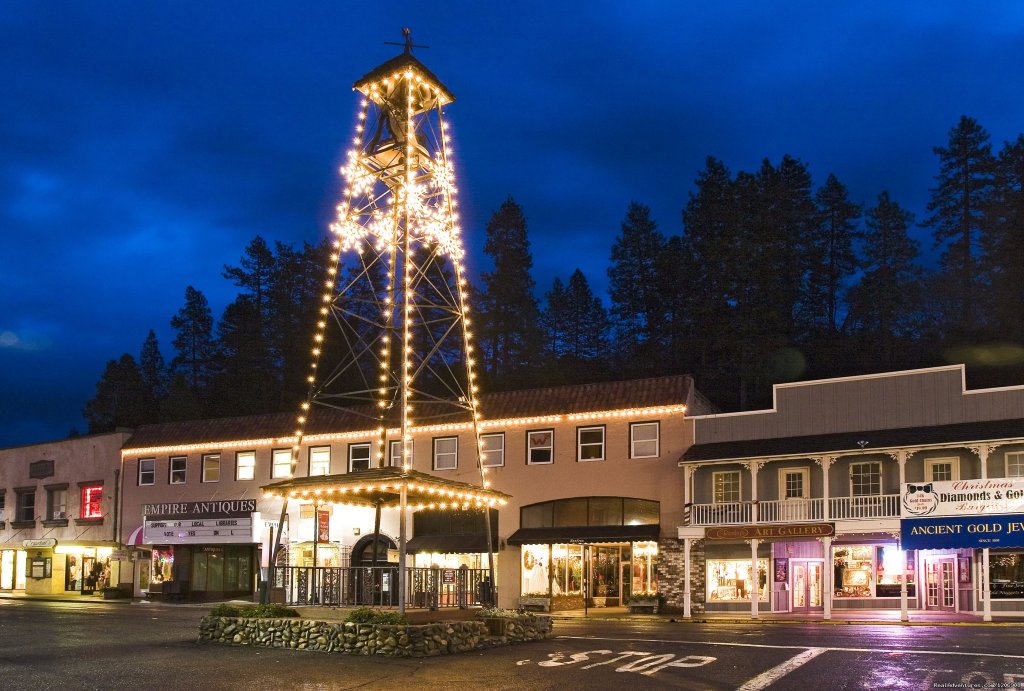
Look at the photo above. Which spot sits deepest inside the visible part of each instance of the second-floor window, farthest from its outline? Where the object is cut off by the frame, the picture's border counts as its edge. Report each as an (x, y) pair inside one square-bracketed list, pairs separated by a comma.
[(396, 453), (319, 460), (590, 443), (492, 450), (941, 469), (147, 471), (358, 457), (865, 479), (177, 476), (446, 453), (540, 447), (1015, 464), (245, 465), (57, 503), (726, 486), (211, 467), (92, 501), (643, 440), (26, 507), (3, 507), (281, 463)]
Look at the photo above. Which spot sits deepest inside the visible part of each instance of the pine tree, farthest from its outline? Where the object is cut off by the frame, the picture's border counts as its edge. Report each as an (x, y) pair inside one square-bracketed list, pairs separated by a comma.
[(637, 307), (832, 259), (121, 398), (1004, 244), (510, 321), (957, 204), (194, 343), (579, 320), (153, 368), (883, 303)]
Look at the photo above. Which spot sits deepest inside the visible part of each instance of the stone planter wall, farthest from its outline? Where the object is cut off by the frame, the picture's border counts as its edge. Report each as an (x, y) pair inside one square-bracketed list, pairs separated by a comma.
[(406, 640)]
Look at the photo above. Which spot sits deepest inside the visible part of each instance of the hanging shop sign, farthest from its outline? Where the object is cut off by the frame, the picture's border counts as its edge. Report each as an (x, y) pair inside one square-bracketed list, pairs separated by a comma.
[(323, 526), (768, 532), (962, 531), (40, 543), (963, 497), (199, 522)]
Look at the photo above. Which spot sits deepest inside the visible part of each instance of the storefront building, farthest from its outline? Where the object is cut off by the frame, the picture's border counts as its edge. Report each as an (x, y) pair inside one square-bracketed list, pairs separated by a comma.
[(596, 464), (58, 508), (802, 508)]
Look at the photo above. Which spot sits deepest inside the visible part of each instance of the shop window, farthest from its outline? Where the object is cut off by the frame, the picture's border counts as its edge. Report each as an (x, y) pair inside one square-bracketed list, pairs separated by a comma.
[(358, 457), (281, 463), (540, 445), (3, 507), (645, 580), (92, 501), (177, 473), (1015, 464), (853, 568), (492, 450), (570, 512), (25, 507), (211, 467), (57, 503), (590, 443), (643, 440), (865, 479), (147, 471), (726, 486), (1006, 572), (731, 580), (319, 460), (892, 565), (245, 465), (396, 453), (537, 516), (941, 469), (446, 453), (162, 565)]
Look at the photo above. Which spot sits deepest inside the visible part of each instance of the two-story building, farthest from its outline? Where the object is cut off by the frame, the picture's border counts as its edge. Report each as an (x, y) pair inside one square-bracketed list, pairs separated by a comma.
[(799, 508), (591, 470), (58, 508)]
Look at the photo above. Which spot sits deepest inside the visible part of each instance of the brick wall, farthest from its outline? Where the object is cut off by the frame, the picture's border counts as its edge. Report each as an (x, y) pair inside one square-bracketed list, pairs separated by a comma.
[(671, 568)]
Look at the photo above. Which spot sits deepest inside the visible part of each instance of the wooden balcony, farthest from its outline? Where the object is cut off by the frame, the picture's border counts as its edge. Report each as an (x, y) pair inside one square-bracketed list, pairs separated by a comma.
[(796, 510)]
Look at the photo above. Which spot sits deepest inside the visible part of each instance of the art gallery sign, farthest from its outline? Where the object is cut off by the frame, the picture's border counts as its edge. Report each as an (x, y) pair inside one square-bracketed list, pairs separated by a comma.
[(963, 498)]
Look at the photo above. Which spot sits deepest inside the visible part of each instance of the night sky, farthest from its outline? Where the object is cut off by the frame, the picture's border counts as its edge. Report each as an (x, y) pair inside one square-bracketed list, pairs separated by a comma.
[(143, 145)]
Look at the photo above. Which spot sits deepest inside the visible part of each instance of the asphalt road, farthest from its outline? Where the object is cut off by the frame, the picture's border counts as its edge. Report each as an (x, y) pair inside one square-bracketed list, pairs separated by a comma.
[(118, 646)]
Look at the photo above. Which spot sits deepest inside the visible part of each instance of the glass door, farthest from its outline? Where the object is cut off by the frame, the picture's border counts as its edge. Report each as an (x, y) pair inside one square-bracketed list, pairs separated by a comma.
[(808, 584), (799, 586), (940, 586)]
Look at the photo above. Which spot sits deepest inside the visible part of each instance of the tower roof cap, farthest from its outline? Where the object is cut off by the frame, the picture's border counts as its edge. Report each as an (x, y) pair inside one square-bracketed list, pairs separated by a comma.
[(401, 63)]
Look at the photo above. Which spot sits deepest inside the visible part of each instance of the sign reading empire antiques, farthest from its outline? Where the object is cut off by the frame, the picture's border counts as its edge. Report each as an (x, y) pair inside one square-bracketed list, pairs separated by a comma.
[(963, 497), (765, 532), (198, 522)]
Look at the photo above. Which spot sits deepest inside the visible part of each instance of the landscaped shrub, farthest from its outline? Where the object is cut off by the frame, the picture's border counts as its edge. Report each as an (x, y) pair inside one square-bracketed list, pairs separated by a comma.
[(368, 615), (254, 612), (498, 613)]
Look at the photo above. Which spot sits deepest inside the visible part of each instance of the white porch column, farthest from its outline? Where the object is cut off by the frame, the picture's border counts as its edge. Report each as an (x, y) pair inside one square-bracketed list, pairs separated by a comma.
[(754, 466), (755, 593), (901, 459), (826, 545), (986, 588), (826, 463), (686, 577), (983, 452)]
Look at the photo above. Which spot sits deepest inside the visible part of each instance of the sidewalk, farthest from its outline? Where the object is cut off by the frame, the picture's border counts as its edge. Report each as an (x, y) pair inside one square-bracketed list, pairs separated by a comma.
[(840, 617)]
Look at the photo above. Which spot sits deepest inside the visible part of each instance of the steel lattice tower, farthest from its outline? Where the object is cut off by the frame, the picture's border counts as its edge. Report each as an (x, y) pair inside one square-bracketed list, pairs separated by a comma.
[(393, 339)]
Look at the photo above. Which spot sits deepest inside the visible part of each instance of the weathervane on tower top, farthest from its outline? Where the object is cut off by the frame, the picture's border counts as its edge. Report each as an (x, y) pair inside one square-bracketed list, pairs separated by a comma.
[(408, 45)]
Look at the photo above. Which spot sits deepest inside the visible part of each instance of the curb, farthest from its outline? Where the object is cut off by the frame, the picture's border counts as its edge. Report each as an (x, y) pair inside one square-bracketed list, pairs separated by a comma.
[(84, 600), (813, 622)]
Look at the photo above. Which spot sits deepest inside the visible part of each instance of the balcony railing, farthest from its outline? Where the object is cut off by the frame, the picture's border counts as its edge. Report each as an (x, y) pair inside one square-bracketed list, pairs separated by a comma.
[(796, 510)]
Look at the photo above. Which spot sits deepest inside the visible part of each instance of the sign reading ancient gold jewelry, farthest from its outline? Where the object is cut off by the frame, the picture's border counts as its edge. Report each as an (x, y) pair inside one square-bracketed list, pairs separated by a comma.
[(768, 532), (963, 497), (201, 522)]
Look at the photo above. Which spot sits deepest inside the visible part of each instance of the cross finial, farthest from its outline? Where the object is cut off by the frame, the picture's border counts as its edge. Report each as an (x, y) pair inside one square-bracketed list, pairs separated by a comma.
[(408, 45)]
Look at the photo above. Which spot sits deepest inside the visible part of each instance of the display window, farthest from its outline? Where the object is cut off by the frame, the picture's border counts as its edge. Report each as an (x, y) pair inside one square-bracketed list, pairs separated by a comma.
[(536, 559), (12, 569), (1006, 571), (733, 580), (85, 568), (440, 560), (872, 571), (567, 563), (644, 578), (162, 565)]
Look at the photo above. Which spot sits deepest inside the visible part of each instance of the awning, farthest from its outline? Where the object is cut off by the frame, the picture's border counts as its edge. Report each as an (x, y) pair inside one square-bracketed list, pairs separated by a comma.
[(450, 544), (581, 534), (135, 538)]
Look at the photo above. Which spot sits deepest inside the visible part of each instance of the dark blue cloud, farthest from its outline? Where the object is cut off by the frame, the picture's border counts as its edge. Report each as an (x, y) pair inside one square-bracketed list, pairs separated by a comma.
[(142, 145)]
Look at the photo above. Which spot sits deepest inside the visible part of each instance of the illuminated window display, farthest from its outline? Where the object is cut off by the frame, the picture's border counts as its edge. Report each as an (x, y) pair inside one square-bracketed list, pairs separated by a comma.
[(163, 565), (853, 569), (889, 559), (730, 580), (644, 578), (442, 560), (535, 569), (567, 563), (1007, 575)]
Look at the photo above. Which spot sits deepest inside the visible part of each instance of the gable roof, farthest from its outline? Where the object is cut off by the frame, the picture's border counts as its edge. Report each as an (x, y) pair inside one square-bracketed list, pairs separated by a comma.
[(504, 405)]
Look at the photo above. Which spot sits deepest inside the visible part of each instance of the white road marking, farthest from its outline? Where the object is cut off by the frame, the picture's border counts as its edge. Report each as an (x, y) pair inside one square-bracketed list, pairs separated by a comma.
[(769, 677), (902, 651)]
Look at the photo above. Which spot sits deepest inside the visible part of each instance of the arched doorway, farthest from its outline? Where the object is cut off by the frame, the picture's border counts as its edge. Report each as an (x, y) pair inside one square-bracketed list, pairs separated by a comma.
[(362, 551), (371, 584)]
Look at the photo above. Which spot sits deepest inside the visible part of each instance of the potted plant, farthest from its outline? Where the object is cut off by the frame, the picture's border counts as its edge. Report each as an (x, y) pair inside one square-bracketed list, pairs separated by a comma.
[(644, 601)]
